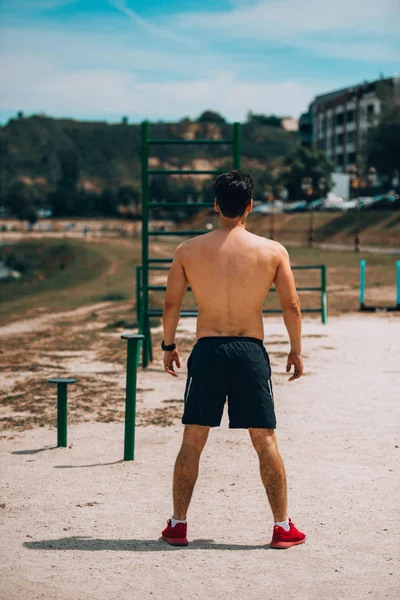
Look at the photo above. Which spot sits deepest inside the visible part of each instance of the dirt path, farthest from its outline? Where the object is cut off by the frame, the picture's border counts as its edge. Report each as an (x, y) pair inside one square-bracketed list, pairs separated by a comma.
[(79, 524), (46, 321)]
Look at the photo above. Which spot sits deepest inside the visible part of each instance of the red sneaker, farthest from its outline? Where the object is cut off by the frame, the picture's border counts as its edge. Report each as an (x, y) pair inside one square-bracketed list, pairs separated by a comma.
[(285, 539), (176, 536)]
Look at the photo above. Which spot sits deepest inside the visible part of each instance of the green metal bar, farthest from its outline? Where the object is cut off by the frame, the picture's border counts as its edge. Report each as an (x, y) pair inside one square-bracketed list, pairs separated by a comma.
[(157, 312), (156, 268), (132, 359), (237, 145), (180, 204), (145, 240), (62, 415), (306, 267), (179, 232), (160, 260), (162, 288), (184, 172), (303, 310), (138, 294), (324, 296), (192, 313), (190, 142)]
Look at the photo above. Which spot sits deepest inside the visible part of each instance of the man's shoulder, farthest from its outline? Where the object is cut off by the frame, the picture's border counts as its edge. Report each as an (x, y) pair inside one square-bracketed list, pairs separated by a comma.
[(270, 245), (190, 245)]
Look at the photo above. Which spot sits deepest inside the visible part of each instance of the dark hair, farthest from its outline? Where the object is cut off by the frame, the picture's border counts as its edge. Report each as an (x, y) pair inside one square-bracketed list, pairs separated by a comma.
[(233, 192)]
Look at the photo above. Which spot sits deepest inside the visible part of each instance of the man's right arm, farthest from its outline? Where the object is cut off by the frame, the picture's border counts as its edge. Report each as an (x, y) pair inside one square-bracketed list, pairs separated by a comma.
[(290, 303)]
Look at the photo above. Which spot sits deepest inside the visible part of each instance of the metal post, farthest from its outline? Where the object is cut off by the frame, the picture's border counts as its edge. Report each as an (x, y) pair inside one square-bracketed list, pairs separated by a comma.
[(311, 228), (398, 285), (357, 240), (62, 410), (130, 394), (138, 296), (145, 240), (324, 297), (237, 145), (362, 283)]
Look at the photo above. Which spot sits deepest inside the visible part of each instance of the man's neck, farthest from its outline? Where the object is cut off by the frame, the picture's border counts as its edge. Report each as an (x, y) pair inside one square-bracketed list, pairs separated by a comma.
[(230, 224)]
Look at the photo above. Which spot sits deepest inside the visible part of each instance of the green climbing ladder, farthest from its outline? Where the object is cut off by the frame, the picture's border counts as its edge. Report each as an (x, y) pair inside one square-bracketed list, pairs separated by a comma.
[(149, 263)]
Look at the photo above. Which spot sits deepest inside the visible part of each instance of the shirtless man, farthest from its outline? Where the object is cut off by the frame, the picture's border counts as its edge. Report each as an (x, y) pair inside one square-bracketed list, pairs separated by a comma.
[(230, 271)]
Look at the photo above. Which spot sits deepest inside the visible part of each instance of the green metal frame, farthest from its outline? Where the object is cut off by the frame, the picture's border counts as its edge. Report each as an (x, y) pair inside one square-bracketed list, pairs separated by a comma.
[(367, 308), (142, 273), (157, 312)]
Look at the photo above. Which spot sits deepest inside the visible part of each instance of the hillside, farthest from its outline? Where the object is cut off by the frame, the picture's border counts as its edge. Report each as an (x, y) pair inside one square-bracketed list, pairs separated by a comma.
[(108, 155)]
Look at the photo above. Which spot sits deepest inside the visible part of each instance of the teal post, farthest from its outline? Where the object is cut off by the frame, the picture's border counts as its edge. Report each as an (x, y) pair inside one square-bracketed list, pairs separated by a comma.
[(62, 410), (144, 325), (132, 359), (324, 296), (362, 283), (237, 145), (398, 285)]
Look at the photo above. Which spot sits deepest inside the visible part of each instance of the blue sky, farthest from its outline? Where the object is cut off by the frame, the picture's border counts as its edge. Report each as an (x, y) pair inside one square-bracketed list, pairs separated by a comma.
[(167, 59)]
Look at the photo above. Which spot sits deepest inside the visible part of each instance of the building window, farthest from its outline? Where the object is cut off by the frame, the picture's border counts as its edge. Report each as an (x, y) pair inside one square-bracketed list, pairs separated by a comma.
[(350, 116), (340, 139), (351, 158), (370, 112), (351, 136), (340, 160), (340, 119)]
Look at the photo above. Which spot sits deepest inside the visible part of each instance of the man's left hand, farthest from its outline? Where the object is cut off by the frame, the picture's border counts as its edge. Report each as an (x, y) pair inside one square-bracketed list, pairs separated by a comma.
[(169, 359)]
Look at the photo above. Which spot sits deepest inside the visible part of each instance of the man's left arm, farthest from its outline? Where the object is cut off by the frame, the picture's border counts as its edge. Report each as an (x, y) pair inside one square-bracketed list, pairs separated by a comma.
[(176, 288)]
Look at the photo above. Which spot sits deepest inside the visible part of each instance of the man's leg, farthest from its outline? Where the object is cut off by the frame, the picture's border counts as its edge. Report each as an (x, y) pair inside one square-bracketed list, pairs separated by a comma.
[(272, 471), (187, 467)]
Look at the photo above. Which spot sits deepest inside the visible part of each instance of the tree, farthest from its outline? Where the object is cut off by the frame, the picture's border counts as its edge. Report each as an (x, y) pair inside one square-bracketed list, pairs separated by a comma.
[(20, 201), (64, 199), (382, 149), (306, 163), (271, 120), (129, 195), (209, 116), (69, 166), (107, 204)]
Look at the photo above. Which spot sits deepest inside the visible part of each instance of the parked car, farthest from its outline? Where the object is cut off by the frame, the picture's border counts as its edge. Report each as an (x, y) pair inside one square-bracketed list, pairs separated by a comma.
[(300, 206)]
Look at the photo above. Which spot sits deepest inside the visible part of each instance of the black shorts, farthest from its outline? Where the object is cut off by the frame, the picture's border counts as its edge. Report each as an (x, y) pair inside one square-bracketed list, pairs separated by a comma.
[(233, 367)]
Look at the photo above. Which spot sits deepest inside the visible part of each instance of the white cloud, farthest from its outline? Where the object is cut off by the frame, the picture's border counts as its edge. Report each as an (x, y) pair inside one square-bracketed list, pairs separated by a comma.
[(111, 92), (279, 19), (318, 25), (159, 32), (34, 5)]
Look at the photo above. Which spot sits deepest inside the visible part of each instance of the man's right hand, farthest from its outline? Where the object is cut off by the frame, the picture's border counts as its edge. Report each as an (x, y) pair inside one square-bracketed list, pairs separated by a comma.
[(295, 360)]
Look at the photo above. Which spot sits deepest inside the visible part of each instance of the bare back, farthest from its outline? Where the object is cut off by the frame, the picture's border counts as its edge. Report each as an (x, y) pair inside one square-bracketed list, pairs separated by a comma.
[(230, 273)]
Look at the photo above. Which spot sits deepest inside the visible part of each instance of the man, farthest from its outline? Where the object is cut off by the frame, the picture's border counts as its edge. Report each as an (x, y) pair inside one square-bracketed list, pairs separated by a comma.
[(230, 272)]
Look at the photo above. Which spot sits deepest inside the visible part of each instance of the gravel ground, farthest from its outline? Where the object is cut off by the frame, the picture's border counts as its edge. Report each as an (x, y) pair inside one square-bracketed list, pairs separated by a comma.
[(79, 524)]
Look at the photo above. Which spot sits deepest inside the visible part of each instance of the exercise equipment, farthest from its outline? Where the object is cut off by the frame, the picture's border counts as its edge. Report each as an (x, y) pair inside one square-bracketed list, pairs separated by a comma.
[(369, 308)]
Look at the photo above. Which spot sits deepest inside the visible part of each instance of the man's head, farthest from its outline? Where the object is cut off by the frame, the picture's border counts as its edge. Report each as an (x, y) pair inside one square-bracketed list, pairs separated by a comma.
[(233, 193)]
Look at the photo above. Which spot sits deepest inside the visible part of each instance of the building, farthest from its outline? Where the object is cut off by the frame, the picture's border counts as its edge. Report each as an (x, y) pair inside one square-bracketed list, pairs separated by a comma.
[(337, 122), (289, 124)]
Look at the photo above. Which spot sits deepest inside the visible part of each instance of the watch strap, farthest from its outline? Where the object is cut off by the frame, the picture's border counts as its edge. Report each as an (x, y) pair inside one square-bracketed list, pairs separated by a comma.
[(168, 348)]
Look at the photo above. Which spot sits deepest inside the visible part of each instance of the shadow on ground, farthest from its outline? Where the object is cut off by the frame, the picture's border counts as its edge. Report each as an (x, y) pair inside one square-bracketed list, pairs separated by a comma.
[(23, 452), (94, 544)]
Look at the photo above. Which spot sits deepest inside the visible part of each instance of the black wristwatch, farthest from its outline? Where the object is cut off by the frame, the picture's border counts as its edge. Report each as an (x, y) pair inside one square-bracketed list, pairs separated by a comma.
[(168, 348)]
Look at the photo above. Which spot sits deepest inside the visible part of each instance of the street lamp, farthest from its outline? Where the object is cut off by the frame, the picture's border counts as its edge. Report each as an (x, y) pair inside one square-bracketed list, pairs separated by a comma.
[(307, 187), (355, 182), (269, 197)]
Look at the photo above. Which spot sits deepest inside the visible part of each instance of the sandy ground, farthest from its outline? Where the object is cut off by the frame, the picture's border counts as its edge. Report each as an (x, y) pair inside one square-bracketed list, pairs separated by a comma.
[(80, 524)]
